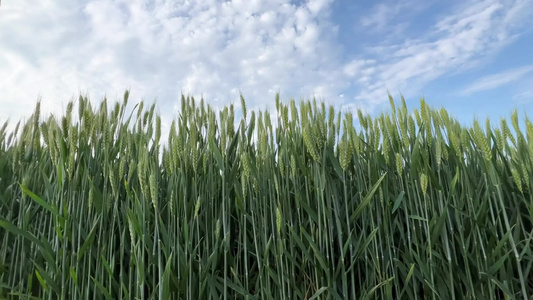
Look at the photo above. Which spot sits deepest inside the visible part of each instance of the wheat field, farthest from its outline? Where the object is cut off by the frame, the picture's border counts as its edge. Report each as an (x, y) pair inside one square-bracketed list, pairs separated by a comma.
[(96, 204)]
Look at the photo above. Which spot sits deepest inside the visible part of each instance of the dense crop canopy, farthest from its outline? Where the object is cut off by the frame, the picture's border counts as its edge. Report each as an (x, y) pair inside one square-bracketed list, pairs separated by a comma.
[(404, 206)]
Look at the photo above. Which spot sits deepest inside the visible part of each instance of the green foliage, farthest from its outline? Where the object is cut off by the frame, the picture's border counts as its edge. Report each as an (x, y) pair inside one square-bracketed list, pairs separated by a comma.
[(94, 206)]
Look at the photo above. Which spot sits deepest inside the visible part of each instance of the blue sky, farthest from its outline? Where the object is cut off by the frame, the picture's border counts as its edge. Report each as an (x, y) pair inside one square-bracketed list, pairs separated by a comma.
[(471, 57)]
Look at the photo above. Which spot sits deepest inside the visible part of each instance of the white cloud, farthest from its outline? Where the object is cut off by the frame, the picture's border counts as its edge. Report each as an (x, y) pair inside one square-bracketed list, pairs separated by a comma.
[(496, 80), (381, 16), (456, 43), (392, 17), (525, 96), (161, 48)]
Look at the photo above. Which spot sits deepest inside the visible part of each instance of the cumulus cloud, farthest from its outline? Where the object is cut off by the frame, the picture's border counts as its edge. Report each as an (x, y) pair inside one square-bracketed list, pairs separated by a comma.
[(160, 49), (217, 49)]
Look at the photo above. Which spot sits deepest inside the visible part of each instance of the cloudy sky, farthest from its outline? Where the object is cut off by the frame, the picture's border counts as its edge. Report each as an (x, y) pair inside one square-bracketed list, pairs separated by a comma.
[(472, 57)]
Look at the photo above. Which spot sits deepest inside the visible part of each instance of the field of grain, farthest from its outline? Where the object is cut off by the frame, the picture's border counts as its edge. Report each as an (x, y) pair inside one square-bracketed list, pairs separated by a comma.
[(96, 204)]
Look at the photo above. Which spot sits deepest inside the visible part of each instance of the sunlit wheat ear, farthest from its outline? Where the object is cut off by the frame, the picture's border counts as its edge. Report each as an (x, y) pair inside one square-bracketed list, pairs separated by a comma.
[(203, 112), (377, 135), (529, 130), (530, 140), (424, 183), (217, 230), (194, 147), (91, 197), (438, 151), (112, 181), (320, 130), (153, 189), (499, 140), (147, 124), (108, 137), (82, 102), (303, 114), (294, 167), (345, 152), (332, 135), (3, 130), (294, 111), (115, 114), (131, 169), (178, 148), (426, 120), (418, 118), (411, 127), (263, 144), (140, 110), (184, 108), (404, 105), (525, 175), (285, 116), (65, 126), (277, 101), (445, 152), (3, 133), (488, 130), (211, 136), (278, 221), (516, 125), (465, 138), (122, 166), (386, 148), (437, 121), (142, 177), (125, 98), (444, 117), (309, 143), (268, 122), (243, 107), (87, 123), (338, 123), (392, 105), (281, 162), (481, 141), (151, 114), (36, 126), (356, 144), (230, 123), (16, 158), (43, 130), (517, 179), (197, 207), (246, 172), (331, 116), (455, 141), (223, 132), (403, 130), (507, 132), (390, 129), (50, 138), (73, 139), (157, 130), (399, 164), (242, 130), (131, 230), (362, 119)]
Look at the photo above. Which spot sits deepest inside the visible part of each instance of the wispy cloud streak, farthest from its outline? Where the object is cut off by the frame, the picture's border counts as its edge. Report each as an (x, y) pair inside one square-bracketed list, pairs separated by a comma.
[(456, 43), (496, 80)]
